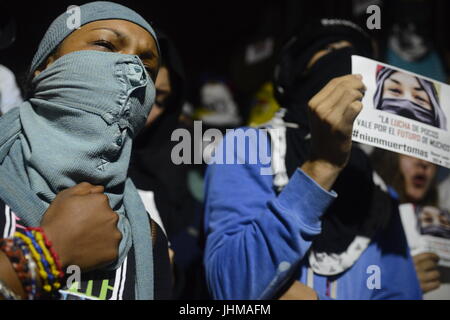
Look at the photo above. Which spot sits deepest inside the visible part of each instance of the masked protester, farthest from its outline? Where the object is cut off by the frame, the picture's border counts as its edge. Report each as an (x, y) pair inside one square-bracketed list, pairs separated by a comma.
[(363, 217), (92, 89), (297, 242)]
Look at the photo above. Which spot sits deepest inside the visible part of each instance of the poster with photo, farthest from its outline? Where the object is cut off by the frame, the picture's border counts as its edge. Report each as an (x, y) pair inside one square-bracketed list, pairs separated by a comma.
[(403, 112), (427, 229)]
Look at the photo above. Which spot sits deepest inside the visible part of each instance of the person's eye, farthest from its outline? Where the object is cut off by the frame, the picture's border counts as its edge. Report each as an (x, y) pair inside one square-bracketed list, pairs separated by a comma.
[(395, 91), (421, 99), (105, 44)]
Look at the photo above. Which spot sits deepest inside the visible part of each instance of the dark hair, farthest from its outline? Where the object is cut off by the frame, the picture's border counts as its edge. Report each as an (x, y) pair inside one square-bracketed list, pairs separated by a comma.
[(387, 165)]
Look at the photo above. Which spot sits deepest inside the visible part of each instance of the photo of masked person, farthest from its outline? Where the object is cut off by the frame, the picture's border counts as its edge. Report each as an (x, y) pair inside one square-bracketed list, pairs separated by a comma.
[(434, 222), (409, 96), (286, 238)]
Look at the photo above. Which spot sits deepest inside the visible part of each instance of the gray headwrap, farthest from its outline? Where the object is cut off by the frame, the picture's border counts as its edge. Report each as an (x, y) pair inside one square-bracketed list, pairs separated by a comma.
[(90, 12)]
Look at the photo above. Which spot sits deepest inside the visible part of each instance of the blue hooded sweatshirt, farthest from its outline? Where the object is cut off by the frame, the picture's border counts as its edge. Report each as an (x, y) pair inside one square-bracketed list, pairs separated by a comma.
[(258, 240)]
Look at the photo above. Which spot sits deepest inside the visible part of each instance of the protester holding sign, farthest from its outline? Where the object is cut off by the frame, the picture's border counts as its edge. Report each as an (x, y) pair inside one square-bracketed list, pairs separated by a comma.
[(286, 235)]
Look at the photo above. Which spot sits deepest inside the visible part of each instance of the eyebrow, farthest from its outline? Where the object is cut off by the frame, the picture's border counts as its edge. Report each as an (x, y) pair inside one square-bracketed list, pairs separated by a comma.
[(117, 33), (419, 88), (396, 81), (146, 55)]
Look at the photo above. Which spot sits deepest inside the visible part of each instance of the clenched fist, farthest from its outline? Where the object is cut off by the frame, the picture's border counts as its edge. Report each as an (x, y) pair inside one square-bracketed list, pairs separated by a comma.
[(332, 113), (83, 227)]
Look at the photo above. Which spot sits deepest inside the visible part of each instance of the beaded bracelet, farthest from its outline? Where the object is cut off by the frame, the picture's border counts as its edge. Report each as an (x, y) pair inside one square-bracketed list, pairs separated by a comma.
[(49, 254), (32, 256), (32, 290), (19, 263), (49, 246), (37, 258), (6, 293), (44, 261), (47, 260)]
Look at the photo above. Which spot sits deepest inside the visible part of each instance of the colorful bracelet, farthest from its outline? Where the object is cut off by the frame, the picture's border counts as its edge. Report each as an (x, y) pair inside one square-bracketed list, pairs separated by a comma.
[(44, 261), (50, 254), (37, 258), (32, 289), (19, 263), (49, 246), (47, 260), (32, 257)]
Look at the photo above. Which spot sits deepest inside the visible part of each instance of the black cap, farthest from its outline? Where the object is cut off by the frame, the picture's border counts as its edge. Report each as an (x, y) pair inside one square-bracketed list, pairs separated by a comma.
[(309, 39)]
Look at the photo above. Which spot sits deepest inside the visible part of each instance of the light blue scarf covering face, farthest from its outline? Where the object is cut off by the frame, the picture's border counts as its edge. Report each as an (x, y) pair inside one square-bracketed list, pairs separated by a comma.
[(78, 127)]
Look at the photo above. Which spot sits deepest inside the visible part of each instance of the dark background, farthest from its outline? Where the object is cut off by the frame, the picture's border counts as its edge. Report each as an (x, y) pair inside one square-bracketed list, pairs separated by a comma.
[(211, 35)]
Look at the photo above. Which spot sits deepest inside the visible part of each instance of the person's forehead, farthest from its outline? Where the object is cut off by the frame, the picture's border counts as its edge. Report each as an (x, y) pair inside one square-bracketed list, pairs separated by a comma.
[(127, 28), (404, 78)]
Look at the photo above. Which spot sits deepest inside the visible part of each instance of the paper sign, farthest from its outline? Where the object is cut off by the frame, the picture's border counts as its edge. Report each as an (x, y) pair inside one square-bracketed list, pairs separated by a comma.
[(403, 112), (427, 230)]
